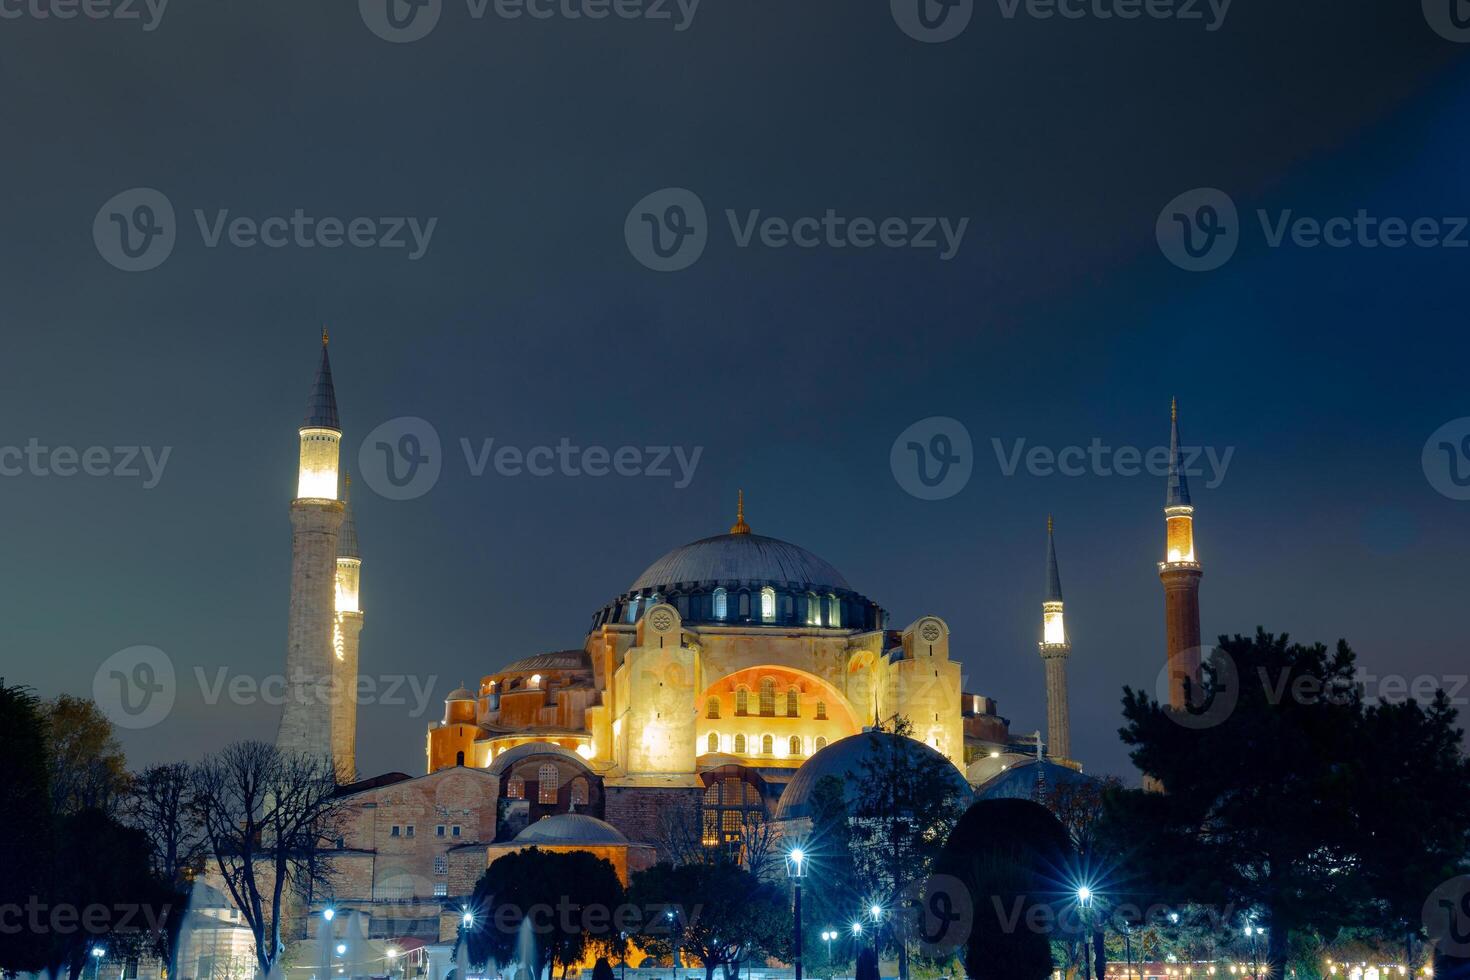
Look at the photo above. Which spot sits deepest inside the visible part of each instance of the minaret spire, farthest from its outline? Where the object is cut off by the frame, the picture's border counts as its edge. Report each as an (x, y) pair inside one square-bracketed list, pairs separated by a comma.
[(312, 633), (740, 527), (1055, 648), (346, 628), (1180, 573)]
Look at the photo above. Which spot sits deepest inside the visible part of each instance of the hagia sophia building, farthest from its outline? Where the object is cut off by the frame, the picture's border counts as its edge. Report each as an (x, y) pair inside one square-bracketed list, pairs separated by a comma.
[(715, 688)]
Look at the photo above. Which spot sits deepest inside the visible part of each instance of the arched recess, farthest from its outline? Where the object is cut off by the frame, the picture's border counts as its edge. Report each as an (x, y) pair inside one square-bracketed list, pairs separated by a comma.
[(836, 718)]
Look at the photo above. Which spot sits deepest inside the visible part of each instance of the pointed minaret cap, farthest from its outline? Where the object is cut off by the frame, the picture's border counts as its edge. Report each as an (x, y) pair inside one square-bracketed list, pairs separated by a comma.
[(740, 527), (1178, 491), (1053, 576), (347, 537), (321, 407)]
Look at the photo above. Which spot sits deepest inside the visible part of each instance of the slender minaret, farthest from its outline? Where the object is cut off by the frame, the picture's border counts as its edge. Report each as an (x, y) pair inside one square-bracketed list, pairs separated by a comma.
[(1180, 572), (1055, 649), (345, 629), (316, 518)]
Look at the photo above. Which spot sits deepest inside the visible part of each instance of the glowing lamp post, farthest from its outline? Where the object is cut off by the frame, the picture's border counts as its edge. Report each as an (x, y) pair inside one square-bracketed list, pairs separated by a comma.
[(796, 870), (827, 936), (1084, 902), (97, 953)]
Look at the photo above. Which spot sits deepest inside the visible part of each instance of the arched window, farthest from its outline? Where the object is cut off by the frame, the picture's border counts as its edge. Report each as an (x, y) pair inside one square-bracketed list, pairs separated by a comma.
[(813, 610), (713, 743), (834, 611), (732, 813), (515, 788), (768, 605), (578, 792), (793, 703), (633, 610), (712, 707), (459, 758), (739, 744), (721, 603), (821, 711), (742, 701), (794, 747), (768, 697), (821, 742), (547, 783), (768, 745)]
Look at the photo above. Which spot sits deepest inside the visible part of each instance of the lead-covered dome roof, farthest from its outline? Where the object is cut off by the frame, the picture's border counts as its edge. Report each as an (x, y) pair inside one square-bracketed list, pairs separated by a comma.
[(844, 759), (740, 558)]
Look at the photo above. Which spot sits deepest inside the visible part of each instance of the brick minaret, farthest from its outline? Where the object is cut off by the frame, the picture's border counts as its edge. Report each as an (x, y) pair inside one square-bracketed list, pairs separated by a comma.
[(316, 518), (346, 625), (1180, 572), (1055, 649)]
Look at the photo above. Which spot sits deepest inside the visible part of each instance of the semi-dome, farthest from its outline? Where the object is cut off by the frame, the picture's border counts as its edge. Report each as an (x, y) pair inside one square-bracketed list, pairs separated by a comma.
[(502, 762), (740, 558), (571, 830), (844, 758), (557, 660)]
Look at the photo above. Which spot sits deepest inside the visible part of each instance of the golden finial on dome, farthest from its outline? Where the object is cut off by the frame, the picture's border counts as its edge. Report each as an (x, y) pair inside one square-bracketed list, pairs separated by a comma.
[(740, 526)]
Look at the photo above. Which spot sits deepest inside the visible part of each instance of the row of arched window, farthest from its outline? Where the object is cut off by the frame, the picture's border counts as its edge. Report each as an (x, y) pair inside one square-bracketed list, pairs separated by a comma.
[(768, 604), (764, 745), (767, 702), (548, 784)]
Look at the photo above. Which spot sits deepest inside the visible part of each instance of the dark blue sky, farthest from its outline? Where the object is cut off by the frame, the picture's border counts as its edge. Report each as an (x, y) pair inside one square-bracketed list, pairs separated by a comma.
[(527, 320)]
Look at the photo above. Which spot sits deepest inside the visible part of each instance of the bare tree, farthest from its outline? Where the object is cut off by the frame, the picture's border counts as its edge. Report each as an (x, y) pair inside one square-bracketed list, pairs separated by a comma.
[(266, 816), (161, 804), (682, 838)]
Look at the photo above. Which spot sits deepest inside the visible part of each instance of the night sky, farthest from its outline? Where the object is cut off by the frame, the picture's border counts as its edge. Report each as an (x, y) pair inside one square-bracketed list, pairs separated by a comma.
[(527, 320)]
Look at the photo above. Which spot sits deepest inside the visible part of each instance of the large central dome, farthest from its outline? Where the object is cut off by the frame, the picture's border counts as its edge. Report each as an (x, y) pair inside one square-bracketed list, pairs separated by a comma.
[(741, 557)]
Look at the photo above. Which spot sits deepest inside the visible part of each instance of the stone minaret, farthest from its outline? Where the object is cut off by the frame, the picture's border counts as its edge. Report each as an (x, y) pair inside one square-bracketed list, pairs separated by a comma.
[(346, 627), (1055, 649), (1180, 572), (316, 518)]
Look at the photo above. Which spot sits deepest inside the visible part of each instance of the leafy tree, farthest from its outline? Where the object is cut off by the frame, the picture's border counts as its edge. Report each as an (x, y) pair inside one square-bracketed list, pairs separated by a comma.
[(86, 761), (25, 813), (831, 895), (266, 816), (1013, 860), (1271, 787), (720, 913), (102, 872), (903, 802), (569, 897)]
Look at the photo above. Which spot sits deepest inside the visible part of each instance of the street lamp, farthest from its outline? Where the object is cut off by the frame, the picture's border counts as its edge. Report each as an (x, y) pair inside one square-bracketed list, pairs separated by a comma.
[(796, 870), (1084, 902), (827, 936), (97, 954)]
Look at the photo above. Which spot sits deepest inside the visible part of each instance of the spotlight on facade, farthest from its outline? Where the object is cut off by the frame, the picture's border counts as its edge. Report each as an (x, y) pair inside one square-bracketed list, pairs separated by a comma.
[(341, 948)]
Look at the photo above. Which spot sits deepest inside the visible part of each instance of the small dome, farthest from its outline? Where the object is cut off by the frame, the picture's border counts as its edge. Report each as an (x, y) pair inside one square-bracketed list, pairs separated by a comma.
[(571, 829), (846, 756), (741, 558), (460, 694), (1023, 779)]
